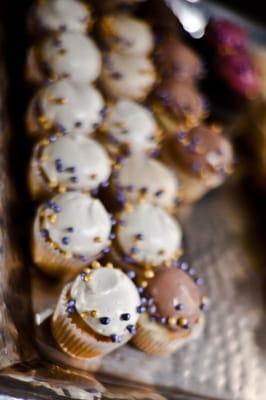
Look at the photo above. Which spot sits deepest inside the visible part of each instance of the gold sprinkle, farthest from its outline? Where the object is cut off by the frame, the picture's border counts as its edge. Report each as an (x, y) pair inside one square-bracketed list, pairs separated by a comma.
[(52, 218), (178, 252), (109, 265), (97, 239), (171, 321), (43, 157), (128, 207), (143, 284), (61, 100), (95, 264), (161, 252), (93, 176), (68, 254), (62, 51), (52, 184), (204, 300), (42, 119), (61, 189), (149, 274), (94, 314), (45, 142), (182, 321), (88, 277)]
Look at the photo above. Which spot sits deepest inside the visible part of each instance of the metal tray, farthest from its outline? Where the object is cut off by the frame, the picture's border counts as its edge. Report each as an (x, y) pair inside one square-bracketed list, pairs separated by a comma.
[(225, 238)]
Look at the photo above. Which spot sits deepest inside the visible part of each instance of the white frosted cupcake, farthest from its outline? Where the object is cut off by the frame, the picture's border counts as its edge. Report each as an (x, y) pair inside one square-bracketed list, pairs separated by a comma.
[(127, 76), (126, 34), (52, 16), (140, 178), (68, 163), (65, 55), (146, 236), (65, 107), (130, 128), (96, 313), (70, 231)]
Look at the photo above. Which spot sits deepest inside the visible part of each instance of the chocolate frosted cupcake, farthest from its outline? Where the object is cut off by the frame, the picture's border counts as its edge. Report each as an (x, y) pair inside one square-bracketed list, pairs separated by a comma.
[(175, 60), (202, 159), (172, 312), (96, 313), (127, 76), (70, 231), (53, 16), (144, 179), (178, 105), (130, 128), (65, 107), (146, 236), (126, 34), (68, 163), (65, 55)]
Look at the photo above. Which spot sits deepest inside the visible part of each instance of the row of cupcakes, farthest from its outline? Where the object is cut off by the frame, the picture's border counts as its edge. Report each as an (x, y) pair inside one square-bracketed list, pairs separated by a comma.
[(102, 307)]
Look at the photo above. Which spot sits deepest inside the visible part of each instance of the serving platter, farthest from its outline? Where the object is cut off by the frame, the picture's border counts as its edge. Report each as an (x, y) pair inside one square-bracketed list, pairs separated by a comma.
[(224, 237)]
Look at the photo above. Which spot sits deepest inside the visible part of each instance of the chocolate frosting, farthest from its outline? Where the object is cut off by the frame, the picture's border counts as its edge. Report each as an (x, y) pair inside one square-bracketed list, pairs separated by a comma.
[(203, 150), (181, 99), (175, 295), (176, 60)]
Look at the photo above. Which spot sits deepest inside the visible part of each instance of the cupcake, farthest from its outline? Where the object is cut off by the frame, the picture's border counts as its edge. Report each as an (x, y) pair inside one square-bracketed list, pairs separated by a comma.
[(130, 128), (202, 159), (69, 55), (177, 61), (172, 312), (127, 76), (239, 72), (96, 313), (140, 178), (53, 16), (126, 34), (178, 105), (70, 231), (65, 107), (146, 236), (68, 163)]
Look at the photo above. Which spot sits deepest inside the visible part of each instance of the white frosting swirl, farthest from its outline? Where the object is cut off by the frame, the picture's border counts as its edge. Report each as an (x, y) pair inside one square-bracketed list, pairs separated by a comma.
[(75, 156), (75, 106), (127, 76), (59, 15), (126, 34), (72, 55), (88, 219), (161, 234), (139, 172), (111, 293), (133, 125)]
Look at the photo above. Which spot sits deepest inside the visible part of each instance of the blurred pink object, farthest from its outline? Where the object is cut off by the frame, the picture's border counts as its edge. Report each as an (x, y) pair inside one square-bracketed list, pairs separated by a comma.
[(238, 71), (226, 36)]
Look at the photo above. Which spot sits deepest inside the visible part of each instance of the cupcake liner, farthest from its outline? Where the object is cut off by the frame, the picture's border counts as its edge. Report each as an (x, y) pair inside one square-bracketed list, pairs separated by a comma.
[(39, 189), (51, 261), (158, 341), (74, 340), (33, 73), (33, 128)]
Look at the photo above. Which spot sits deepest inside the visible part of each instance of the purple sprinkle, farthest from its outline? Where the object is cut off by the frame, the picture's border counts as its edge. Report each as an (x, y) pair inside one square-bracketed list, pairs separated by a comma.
[(152, 309), (57, 42), (104, 184), (65, 240), (140, 290), (112, 139), (159, 193), (103, 112), (105, 320), (125, 317), (106, 250), (83, 258), (139, 236), (199, 281), (196, 166), (71, 170), (62, 28), (83, 275), (155, 153), (117, 75), (143, 300), (59, 165), (184, 266), (52, 138), (180, 135), (61, 128), (122, 222), (204, 306), (179, 307), (70, 229), (112, 236), (150, 301), (44, 233), (141, 309), (112, 219), (78, 124), (115, 338), (94, 192), (162, 320), (131, 274), (153, 318), (116, 173), (187, 325), (134, 250), (71, 302), (130, 188), (191, 271), (73, 179), (127, 259), (71, 309), (132, 329)]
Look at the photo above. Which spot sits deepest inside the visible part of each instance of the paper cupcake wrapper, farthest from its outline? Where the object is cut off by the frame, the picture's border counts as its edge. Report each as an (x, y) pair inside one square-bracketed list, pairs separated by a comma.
[(51, 261), (33, 73), (72, 339), (159, 341), (39, 189)]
